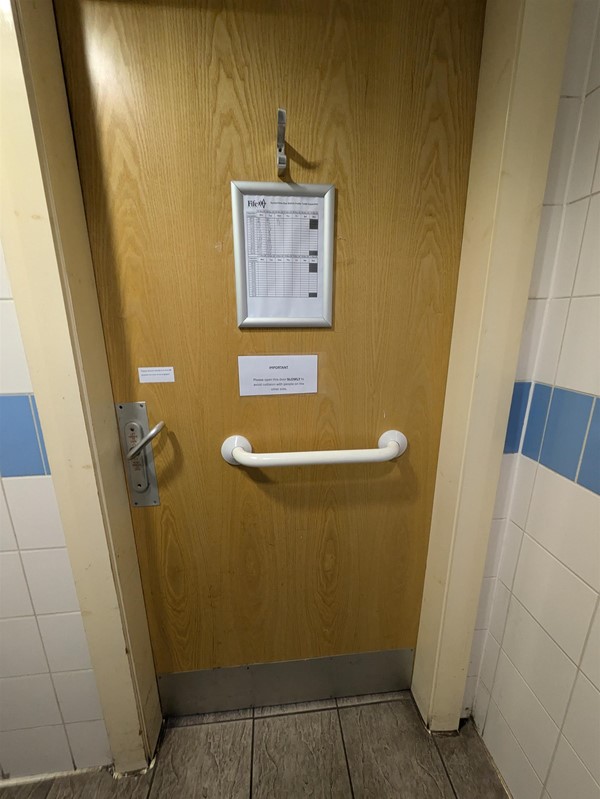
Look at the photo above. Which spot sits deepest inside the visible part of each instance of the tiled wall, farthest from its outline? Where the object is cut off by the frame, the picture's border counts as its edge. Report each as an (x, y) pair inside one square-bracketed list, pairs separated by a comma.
[(50, 715), (536, 654)]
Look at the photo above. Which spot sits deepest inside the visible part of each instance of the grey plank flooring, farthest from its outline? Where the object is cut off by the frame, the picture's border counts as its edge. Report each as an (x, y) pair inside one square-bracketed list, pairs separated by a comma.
[(299, 755), (208, 761), (469, 765), (35, 790), (365, 747), (390, 754), (93, 785), (295, 707), (370, 699), (209, 718), (101, 785)]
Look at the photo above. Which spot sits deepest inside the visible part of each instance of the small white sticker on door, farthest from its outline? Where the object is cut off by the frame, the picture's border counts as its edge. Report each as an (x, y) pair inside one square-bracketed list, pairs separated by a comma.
[(156, 374), (277, 374)]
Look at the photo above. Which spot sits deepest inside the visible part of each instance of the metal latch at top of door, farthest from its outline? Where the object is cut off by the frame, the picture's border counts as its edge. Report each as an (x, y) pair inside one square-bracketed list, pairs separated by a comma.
[(136, 446)]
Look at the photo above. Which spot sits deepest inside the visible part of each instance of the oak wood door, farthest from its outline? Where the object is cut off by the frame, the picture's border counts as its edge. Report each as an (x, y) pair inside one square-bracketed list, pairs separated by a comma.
[(170, 101)]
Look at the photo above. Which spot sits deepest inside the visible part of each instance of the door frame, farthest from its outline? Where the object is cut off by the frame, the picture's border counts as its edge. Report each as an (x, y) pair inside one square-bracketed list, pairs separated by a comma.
[(44, 234)]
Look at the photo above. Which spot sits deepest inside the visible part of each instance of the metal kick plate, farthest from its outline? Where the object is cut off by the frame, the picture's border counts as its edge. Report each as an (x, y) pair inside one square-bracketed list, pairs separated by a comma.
[(141, 474)]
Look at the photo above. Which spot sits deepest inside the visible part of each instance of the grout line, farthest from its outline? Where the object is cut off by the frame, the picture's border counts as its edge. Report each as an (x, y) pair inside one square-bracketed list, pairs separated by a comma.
[(251, 782), (569, 700), (337, 710), (38, 435), (558, 560), (37, 624), (585, 440), (441, 757)]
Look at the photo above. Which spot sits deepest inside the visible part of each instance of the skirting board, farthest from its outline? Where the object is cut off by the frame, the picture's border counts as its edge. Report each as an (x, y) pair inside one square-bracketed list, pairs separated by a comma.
[(260, 684)]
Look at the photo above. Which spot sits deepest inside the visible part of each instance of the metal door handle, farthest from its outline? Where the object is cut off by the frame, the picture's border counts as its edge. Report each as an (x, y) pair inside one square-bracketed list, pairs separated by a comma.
[(237, 450), (135, 450)]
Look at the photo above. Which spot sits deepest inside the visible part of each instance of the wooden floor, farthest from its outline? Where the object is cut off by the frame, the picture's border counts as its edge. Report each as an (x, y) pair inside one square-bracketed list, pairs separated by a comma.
[(369, 746)]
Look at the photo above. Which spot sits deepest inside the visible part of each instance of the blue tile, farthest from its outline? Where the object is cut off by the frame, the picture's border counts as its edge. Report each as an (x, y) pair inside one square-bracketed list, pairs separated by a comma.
[(516, 416), (19, 448), (565, 431), (536, 421), (38, 427), (589, 471)]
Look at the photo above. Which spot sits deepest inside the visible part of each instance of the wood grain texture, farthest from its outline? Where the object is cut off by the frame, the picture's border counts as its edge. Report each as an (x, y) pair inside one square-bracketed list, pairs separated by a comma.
[(35, 790), (170, 102), (101, 785), (96, 785), (469, 765), (299, 755), (205, 761), (294, 707), (390, 754)]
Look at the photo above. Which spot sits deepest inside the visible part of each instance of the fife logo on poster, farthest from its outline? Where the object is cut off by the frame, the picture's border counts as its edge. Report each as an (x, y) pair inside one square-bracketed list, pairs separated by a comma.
[(257, 204)]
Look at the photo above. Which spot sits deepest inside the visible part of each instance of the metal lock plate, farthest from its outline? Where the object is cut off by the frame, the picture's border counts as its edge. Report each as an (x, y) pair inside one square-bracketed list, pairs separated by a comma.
[(141, 473)]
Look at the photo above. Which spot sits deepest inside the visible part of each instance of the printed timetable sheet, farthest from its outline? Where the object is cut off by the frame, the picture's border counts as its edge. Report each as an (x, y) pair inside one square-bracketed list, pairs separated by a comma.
[(284, 255)]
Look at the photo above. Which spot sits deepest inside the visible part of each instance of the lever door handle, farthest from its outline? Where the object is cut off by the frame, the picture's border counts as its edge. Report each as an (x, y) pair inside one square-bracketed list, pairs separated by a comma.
[(137, 448)]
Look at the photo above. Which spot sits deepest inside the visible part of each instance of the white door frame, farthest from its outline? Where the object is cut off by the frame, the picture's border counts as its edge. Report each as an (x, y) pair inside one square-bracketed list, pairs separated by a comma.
[(44, 234)]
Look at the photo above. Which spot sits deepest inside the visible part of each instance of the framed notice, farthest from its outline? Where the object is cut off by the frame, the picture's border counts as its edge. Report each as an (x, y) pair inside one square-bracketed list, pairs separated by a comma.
[(283, 246)]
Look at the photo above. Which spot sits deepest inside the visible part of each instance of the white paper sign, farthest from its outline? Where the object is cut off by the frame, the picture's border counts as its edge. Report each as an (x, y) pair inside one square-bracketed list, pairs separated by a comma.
[(284, 256), (156, 374), (277, 374)]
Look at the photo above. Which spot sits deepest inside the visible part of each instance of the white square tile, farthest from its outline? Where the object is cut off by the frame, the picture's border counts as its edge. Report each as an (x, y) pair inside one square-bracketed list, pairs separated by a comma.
[(14, 373), (579, 365), (77, 695), (565, 519), (581, 40), (554, 596), (499, 610), (479, 637), (587, 280), (468, 696), (533, 728), (532, 332), (551, 340), (42, 750), (505, 485), (582, 724), (569, 778), (586, 150), (21, 650), (480, 706), (65, 641), (8, 542), (510, 760), (14, 596), (590, 663), (545, 252), (27, 702), (5, 290), (543, 665), (491, 650), (569, 248), (485, 603), (494, 548), (563, 143), (510, 553), (523, 486), (50, 580), (89, 744), (34, 512)]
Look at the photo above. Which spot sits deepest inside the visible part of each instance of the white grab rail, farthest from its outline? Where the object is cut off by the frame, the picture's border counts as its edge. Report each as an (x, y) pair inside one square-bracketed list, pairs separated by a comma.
[(237, 450)]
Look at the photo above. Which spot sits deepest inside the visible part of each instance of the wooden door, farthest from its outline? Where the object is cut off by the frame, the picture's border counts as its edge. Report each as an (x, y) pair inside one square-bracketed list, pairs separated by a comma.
[(173, 99)]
